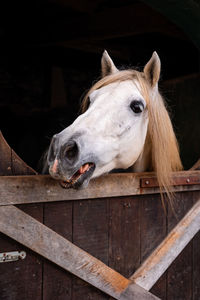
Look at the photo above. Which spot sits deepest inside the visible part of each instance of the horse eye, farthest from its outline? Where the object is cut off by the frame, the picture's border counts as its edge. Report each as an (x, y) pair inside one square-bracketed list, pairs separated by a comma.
[(137, 106)]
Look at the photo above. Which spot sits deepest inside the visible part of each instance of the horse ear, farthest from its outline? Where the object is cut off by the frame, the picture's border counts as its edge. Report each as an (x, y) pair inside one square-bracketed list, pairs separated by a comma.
[(152, 69), (107, 65)]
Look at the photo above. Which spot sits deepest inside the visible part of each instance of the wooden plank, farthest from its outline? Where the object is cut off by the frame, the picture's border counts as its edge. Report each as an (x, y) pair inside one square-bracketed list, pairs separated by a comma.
[(124, 234), (160, 287), (90, 232), (57, 284), (10, 162), (15, 277), (153, 224), (19, 167), (16, 190), (196, 267), (196, 166), (5, 157), (153, 231), (180, 272), (19, 189), (196, 258), (162, 257), (31, 233)]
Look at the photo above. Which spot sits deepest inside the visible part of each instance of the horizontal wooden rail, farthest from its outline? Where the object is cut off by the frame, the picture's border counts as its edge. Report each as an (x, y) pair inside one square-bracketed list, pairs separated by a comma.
[(158, 262), (44, 241), (42, 188)]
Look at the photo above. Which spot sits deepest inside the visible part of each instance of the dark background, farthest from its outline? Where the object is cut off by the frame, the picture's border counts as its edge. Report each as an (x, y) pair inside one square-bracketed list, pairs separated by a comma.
[(50, 55)]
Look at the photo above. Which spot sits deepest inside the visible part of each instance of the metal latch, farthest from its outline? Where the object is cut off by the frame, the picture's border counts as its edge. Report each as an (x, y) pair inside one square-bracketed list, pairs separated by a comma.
[(12, 256)]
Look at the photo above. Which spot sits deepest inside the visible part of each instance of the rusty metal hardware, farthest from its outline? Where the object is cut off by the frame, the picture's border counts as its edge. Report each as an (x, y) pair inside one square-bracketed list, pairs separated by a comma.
[(152, 182), (12, 256)]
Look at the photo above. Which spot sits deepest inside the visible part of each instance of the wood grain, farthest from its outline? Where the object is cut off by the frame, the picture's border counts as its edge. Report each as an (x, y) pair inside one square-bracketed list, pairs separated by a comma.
[(15, 277), (153, 231), (90, 232), (42, 240), (19, 189), (124, 234), (162, 257), (57, 284), (180, 272)]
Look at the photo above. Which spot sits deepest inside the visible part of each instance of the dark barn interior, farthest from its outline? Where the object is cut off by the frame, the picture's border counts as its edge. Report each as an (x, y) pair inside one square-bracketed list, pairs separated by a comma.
[(51, 51)]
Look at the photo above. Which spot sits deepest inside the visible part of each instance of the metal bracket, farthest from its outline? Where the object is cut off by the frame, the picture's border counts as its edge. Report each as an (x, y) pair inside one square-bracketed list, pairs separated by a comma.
[(152, 182), (12, 256)]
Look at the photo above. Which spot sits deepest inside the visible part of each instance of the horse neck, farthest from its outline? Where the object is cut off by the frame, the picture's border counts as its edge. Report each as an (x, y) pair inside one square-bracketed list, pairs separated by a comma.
[(144, 162)]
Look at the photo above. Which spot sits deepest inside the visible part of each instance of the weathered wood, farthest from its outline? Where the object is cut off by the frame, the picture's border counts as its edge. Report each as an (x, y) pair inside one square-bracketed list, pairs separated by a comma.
[(5, 157), (195, 282), (196, 267), (179, 274), (57, 284), (15, 278), (124, 234), (10, 162), (196, 166), (49, 244), (152, 232), (90, 232), (19, 189), (169, 249)]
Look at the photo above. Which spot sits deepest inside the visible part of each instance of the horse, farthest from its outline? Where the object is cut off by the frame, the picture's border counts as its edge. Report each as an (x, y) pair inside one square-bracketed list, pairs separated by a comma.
[(124, 124)]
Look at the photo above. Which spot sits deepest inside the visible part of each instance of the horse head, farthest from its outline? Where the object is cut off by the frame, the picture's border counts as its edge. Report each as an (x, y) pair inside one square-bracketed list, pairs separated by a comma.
[(114, 130)]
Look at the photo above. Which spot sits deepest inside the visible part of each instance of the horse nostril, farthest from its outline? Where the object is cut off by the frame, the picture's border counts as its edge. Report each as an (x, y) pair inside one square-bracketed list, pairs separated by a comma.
[(71, 151)]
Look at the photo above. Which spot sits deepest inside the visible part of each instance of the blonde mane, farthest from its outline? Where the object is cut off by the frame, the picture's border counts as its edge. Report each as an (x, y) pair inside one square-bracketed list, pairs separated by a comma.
[(164, 147)]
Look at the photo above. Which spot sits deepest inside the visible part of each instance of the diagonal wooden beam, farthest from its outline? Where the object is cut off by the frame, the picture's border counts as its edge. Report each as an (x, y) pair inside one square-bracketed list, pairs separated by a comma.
[(44, 241), (162, 257)]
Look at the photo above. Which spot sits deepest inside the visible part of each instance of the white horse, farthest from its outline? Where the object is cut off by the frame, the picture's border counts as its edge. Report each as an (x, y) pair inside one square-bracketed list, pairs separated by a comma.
[(124, 123)]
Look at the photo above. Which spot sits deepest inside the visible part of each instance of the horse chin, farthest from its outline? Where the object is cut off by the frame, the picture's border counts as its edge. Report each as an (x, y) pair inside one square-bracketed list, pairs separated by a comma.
[(81, 177)]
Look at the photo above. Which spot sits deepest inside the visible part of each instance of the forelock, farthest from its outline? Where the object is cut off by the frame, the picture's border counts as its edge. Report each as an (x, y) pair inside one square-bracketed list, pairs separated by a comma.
[(118, 76)]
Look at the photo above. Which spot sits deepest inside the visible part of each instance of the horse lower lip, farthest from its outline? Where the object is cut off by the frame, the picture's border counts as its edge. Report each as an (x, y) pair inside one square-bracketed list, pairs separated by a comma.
[(75, 180)]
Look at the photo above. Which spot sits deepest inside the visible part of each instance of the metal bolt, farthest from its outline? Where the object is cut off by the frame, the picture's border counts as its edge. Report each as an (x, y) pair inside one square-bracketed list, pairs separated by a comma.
[(147, 182), (188, 180)]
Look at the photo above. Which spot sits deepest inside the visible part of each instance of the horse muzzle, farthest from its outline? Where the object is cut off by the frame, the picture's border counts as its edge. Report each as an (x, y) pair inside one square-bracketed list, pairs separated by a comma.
[(67, 165)]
